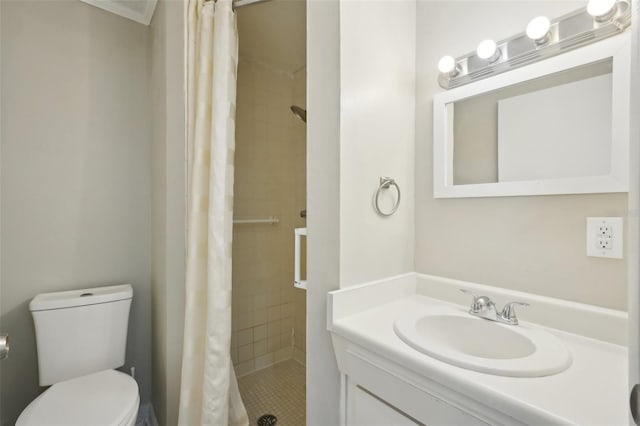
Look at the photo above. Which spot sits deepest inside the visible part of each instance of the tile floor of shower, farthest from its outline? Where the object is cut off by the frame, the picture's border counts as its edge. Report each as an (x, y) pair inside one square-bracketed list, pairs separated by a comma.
[(279, 390)]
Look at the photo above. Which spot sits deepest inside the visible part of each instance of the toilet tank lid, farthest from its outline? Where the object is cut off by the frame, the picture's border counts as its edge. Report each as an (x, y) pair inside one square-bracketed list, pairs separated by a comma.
[(82, 297)]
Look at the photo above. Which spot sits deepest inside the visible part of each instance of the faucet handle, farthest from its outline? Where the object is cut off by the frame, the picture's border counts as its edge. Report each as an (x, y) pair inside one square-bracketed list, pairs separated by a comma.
[(508, 314), (479, 303), (475, 298)]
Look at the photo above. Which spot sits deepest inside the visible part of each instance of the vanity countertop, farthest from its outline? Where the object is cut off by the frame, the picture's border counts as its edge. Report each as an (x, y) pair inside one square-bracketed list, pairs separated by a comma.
[(592, 391)]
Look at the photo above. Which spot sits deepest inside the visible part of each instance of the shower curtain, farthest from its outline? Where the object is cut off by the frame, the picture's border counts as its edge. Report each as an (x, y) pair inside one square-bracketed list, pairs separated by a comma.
[(209, 392)]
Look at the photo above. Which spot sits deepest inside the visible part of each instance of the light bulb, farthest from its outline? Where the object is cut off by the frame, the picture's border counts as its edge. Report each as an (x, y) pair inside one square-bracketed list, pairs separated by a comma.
[(538, 28), (487, 49), (600, 8), (447, 64)]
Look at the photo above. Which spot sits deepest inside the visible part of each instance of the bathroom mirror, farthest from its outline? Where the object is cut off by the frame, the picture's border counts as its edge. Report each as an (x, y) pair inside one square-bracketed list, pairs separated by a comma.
[(559, 126)]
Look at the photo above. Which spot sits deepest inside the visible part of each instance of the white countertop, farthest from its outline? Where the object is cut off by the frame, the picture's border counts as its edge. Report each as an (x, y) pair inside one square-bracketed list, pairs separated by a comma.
[(592, 391)]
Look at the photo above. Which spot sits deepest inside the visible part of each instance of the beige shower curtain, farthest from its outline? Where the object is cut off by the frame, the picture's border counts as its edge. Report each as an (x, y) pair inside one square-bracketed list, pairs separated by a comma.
[(209, 391)]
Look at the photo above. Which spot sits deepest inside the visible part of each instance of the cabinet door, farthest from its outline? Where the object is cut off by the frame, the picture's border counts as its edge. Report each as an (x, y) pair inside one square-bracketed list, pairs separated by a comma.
[(365, 409)]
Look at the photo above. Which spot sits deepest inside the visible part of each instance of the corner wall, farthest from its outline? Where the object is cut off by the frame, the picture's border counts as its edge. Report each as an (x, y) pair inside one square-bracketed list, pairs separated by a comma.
[(533, 244), (377, 110), (633, 248), (75, 174), (168, 202), (361, 99), (323, 206)]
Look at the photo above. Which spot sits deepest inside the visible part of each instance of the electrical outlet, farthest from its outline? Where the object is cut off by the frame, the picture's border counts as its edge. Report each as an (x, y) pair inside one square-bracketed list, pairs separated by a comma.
[(604, 229), (605, 237), (604, 243)]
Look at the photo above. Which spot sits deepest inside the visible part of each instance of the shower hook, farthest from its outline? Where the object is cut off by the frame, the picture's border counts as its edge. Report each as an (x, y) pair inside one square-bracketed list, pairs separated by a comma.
[(385, 183)]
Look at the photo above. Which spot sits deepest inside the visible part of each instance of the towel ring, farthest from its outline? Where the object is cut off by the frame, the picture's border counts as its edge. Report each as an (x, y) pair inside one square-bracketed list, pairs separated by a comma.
[(385, 183)]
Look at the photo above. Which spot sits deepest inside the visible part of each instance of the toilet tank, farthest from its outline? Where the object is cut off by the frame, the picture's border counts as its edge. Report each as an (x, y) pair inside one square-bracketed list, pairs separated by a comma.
[(80, 332)]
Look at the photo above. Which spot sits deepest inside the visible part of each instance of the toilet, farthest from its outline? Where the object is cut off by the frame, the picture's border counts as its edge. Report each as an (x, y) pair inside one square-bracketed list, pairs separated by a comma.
[(81, 337)]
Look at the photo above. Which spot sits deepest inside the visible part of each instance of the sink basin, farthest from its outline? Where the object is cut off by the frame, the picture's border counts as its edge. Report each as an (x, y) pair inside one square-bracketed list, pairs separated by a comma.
[(458, 338)]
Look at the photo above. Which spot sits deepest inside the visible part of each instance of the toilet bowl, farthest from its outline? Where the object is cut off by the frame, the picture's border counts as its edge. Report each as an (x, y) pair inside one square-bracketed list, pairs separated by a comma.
[(81, 338), (107, 398)]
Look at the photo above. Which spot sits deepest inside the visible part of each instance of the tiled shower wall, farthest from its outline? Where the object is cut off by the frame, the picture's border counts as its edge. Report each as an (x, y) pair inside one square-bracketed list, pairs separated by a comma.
[(300, 152), (269, 181)]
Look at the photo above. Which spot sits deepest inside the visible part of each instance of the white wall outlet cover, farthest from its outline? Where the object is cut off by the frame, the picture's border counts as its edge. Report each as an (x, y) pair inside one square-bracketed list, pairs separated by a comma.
[(605, 237)]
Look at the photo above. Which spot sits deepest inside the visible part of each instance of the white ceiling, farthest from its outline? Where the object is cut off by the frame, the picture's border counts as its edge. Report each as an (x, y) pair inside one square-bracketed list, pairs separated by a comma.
[(274, 33)]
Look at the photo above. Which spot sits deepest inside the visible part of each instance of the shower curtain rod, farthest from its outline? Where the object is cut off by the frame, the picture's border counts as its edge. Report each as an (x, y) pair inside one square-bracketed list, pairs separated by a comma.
[(241, 3)]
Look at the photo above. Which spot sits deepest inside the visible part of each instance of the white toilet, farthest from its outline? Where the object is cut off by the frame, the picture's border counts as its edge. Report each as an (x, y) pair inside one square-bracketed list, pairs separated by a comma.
[(81, 337)]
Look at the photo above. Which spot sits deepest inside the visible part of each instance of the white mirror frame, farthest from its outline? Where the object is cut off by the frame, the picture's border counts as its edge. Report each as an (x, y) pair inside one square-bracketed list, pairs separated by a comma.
[(617, 48)]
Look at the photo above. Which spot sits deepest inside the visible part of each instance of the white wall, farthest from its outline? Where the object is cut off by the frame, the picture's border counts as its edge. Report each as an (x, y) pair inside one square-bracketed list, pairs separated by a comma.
[(168, 203), (377, 106), (323, 206), (533, 244), (1, 138), (361, 74), (634, 212), (75, 173)]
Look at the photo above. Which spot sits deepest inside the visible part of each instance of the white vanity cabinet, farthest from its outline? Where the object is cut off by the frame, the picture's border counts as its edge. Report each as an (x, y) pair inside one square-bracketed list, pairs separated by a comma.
[(385, 381), (376, 392)]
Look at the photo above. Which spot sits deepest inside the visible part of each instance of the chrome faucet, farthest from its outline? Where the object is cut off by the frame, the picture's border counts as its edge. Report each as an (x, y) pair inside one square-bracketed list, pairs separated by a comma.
[(484, 307)]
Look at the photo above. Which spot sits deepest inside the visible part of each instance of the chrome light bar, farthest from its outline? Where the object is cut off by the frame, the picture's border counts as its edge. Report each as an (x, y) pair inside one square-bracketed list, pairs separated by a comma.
[(571, 31)]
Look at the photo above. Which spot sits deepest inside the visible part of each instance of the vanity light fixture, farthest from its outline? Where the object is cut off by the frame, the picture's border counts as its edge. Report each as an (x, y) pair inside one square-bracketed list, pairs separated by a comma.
[(447, 65), (538, 29), (488, 49), (542, 39), (601, 9)]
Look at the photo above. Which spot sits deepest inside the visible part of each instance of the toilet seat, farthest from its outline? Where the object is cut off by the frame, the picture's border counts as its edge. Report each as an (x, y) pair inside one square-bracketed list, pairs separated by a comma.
[(107, 398)]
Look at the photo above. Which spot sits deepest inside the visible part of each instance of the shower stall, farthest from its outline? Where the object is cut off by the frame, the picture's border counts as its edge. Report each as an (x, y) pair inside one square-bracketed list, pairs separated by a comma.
[(268, 345)]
